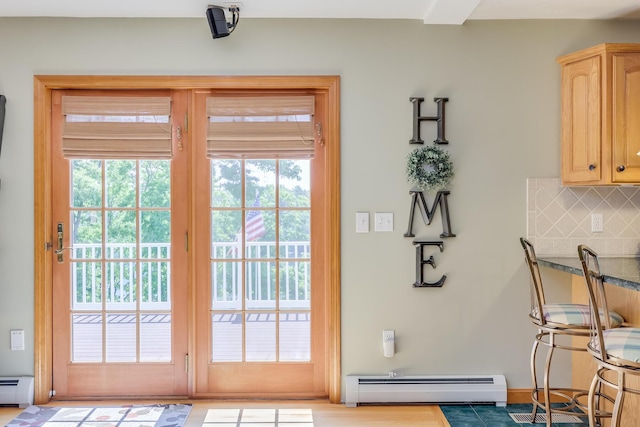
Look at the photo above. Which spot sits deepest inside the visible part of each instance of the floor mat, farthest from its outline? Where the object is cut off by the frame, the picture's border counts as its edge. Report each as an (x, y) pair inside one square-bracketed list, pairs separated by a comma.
[(525, 418), (156, 415)]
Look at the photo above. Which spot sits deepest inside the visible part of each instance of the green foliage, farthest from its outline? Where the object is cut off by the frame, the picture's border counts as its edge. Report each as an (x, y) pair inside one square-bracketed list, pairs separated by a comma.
[(146, 185)]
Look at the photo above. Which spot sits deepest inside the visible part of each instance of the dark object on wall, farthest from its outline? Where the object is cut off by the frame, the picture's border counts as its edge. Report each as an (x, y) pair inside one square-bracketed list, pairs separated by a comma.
[(417, 198), (218, 22), (421, 262), (417, 118), (3, 102)]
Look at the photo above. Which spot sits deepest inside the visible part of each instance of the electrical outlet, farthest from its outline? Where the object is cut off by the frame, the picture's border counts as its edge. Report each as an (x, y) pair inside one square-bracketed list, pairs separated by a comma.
[(597, 223)]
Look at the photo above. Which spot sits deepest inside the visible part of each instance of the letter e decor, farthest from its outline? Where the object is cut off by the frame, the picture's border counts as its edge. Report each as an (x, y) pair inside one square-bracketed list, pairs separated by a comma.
[(421, 262)]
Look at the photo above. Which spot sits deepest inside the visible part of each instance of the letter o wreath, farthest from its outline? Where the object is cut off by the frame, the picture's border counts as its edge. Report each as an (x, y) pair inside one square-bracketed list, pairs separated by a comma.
[(429, 169)]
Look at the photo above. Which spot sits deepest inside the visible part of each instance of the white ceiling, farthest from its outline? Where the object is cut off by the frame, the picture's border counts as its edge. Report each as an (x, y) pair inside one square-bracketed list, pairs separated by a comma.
[(429, 11)]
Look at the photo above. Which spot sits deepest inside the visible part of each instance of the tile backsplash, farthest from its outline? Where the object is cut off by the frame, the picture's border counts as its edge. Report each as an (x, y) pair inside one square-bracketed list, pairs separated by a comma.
[(559, 218)]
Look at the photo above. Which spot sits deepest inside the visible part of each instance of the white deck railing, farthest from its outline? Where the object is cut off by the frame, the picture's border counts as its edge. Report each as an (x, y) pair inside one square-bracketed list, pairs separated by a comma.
[(119, 277)]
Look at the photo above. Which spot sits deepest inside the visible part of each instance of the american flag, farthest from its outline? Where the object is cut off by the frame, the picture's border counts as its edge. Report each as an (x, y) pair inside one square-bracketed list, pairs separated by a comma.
[(253, 223), (253, 228)]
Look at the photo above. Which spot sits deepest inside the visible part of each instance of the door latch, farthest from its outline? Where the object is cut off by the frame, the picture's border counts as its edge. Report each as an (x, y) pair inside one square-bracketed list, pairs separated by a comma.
[(60, 251)]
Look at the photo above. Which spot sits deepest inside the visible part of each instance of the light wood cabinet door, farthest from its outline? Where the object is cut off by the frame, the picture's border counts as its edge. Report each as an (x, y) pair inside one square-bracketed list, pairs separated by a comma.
[(625, 141), (601, 115), (581, 127)]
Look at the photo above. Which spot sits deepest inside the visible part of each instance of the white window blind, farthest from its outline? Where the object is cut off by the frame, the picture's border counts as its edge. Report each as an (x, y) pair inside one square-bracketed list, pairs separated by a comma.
[(116, 127), (260, 127)]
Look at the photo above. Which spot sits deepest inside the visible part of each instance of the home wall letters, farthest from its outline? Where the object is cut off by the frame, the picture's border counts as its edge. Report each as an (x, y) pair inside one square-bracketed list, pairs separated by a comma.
[(418, 198)]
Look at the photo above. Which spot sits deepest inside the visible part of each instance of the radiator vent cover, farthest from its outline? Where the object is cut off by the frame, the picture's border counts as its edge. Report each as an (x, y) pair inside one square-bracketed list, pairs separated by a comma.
[(426, 389), (16, 391)]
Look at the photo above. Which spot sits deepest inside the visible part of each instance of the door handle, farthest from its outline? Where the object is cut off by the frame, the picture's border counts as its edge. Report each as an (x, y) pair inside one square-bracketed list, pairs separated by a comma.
[(60, 251)]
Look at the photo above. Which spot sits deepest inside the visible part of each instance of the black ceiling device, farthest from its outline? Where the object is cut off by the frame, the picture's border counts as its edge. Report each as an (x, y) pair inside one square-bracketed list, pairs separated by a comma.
[(3, 102), (218, 21)]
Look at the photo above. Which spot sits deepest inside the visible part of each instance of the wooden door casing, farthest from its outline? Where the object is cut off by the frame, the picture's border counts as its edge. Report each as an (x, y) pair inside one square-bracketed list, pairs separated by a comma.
[(44, 85)]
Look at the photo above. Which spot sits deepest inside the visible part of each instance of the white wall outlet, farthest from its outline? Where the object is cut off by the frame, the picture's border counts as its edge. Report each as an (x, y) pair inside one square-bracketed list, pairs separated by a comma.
[(17, 339), (362, 222), (384, 221), (597, 223), (388, 342)]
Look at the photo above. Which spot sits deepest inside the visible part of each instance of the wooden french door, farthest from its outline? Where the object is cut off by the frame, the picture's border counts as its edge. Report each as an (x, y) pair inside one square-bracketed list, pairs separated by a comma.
[(104, 288), (260, 311), (119, 258)]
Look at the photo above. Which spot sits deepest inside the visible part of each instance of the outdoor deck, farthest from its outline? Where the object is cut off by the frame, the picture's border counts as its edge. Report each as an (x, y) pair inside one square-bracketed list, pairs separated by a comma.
[(155, 337)]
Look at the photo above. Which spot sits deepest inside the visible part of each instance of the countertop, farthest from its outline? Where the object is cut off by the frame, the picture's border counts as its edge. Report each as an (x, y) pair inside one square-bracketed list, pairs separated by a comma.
[(619, 271)]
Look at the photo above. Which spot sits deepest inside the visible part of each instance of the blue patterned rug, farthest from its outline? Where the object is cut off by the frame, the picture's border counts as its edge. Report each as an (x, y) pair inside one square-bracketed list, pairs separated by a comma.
[(157, 415)]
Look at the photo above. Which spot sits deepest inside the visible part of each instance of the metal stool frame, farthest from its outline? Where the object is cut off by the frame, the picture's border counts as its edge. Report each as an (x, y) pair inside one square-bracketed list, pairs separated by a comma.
[(598, 350), (547, 336)]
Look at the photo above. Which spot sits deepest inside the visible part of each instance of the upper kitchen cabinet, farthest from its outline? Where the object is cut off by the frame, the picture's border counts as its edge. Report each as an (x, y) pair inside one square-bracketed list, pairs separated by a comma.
[(601, 115)]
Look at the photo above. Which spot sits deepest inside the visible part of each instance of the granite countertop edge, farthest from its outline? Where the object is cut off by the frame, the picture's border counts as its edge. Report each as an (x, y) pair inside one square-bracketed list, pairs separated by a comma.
[(619, 271)]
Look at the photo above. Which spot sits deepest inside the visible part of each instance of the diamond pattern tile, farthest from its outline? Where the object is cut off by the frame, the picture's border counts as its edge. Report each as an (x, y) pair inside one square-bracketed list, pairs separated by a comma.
[(559, 218)]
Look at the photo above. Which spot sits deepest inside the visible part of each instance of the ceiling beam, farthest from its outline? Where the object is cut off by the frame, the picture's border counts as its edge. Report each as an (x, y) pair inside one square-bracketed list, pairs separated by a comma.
[(449, 12)]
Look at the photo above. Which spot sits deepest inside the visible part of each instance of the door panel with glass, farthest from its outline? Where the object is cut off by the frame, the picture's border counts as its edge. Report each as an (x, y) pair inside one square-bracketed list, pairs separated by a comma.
[(119, 305), (257, 314)]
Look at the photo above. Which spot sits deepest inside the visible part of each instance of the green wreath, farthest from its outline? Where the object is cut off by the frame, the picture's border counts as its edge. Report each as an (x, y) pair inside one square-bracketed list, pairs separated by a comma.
[(429, 168)]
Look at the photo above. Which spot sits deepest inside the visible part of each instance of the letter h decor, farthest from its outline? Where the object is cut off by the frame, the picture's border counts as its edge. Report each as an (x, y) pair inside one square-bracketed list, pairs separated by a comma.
[(417, 118)]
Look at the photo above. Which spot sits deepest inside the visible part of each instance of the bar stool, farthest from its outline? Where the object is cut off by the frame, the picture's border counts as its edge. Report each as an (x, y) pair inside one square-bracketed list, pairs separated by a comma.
[(554, 320), (614, 350)]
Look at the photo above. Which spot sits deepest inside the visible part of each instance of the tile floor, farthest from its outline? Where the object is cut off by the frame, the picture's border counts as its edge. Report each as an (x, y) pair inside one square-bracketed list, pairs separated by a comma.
[(492, 416)]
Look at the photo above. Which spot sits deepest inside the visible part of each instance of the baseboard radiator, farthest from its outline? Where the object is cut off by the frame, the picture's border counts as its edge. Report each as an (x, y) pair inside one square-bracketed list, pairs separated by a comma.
[(426, 389), (16, 391)]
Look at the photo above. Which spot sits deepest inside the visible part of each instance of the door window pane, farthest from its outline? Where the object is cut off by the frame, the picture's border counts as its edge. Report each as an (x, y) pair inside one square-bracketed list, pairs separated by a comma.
[(86, 333), (260, 292), (86, 285), (155, 183), (155, 337), (226, 177), (294, 180), (295, 285), (120, 285), (226, 330), (226, 238), (121, 338), (261, 337), (120, 184), (260, 183), (121, 234), (226, 292), (295, 337), (86, 176)]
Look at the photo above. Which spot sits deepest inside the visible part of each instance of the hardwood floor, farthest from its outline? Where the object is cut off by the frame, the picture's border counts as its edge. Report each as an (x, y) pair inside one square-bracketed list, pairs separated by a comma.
[(324, 413)]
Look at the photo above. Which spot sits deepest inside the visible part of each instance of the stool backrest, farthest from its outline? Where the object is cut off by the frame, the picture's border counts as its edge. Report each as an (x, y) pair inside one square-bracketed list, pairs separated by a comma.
[(598, 310), (535, 284)]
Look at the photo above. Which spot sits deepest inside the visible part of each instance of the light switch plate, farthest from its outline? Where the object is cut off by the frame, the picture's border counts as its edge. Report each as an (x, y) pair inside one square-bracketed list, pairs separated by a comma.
[(17, 339), (362, 222), (384, 221)]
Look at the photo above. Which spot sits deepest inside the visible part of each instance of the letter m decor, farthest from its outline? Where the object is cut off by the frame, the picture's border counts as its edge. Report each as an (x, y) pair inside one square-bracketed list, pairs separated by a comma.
[(417, 198)]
